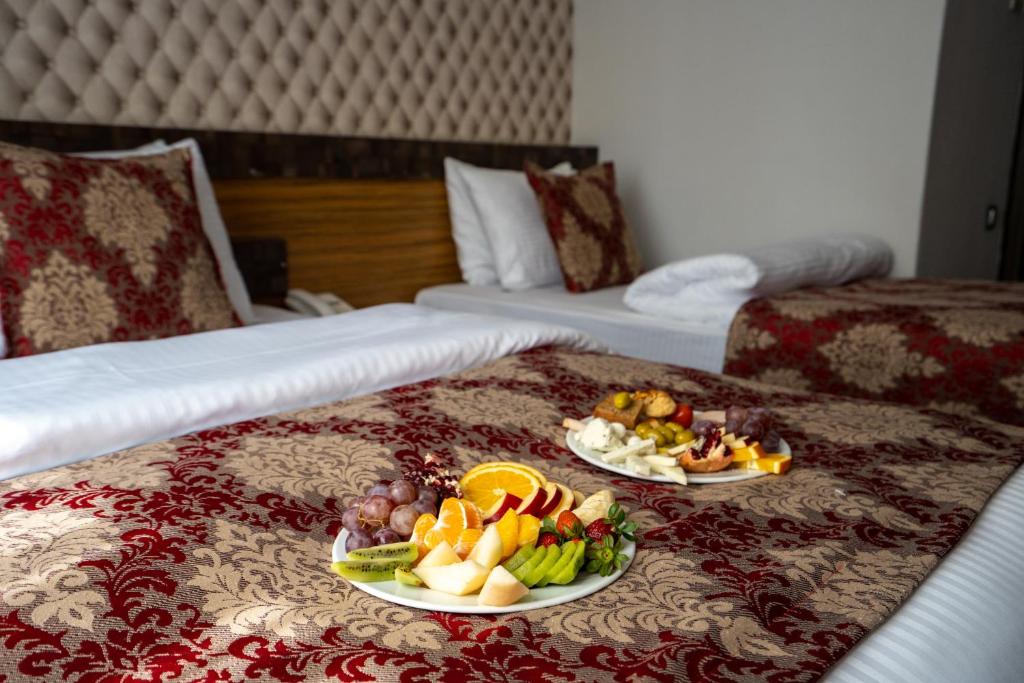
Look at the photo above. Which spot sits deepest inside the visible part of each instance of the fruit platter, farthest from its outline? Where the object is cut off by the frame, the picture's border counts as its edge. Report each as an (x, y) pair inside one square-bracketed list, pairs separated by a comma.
[(648, 435), (502, 538)]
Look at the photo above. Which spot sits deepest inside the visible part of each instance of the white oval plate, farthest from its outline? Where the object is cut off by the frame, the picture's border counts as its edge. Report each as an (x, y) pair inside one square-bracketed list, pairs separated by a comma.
[(424, 598), (721, 477)]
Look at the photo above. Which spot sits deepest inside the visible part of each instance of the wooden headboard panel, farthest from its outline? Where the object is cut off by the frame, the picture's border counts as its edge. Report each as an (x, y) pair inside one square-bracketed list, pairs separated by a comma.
[(366, 218), (370, 241)]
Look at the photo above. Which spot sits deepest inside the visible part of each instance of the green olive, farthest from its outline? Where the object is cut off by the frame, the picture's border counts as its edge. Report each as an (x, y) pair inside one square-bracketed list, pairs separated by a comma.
[(674, 426), (669, 435), (643, 430), (623, 400), (685, 436), (659, 438)]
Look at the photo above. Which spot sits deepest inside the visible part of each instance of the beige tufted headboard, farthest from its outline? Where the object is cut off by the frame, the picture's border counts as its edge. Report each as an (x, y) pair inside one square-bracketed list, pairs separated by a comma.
[(480, 70)]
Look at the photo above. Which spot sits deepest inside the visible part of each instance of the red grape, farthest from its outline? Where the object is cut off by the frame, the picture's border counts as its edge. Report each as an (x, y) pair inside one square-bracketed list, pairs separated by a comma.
[(402, 492), (377, 509), (350, 519), (357, 538), (403, 519), (378, 489), (424, 507), (385, 536), (427, 493)]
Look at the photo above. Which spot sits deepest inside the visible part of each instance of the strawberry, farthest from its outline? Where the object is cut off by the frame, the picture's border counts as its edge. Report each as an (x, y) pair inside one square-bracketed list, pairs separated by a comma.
[(547, 538), (598, 529), (569, 525)]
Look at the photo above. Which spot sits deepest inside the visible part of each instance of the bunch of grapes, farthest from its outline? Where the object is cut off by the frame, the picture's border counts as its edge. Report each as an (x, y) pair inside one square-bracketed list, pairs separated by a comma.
[(754, 423), (387, 513)]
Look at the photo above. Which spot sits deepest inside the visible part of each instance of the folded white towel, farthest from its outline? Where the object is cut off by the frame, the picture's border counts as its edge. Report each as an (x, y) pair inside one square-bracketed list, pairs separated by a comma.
[(712, 288)]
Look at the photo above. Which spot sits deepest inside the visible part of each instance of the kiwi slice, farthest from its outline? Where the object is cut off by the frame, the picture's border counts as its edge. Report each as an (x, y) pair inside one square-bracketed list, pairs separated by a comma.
[(569, 571), (538, 572), (531, 563), (368, 570), (519, 559), (403, 575), (568, 556), (403, 552)]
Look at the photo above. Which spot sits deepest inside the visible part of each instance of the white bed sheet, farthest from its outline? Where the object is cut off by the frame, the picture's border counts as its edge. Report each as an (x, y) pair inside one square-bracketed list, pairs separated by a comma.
[(600, 313), (62, 407)]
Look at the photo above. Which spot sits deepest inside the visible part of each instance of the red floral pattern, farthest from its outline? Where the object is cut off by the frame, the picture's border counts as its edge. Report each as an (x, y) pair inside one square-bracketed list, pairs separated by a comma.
[(945, 344), (583, 214), (204, 558), (95, 250)]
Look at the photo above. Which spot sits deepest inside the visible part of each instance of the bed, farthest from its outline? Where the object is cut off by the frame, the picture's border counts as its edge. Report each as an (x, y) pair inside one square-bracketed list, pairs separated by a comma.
[(600, 313), (169, 504)]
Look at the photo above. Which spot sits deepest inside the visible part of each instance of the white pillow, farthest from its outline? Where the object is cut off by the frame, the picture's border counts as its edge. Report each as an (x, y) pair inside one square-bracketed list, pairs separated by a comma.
[(209, 213), (471, 246), (522, 253)]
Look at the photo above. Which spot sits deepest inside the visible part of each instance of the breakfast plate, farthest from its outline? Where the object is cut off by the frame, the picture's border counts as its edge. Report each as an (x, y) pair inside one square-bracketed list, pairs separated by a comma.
[(721, 477), (424, 598)]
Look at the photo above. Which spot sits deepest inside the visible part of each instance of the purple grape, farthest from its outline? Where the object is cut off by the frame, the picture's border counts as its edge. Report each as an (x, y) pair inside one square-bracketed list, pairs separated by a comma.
[(427, 493), (350, 519), (385, 536), (424, 507), (377, 509), (771, 441), (703, 427), (379, 489), (403, 519), (357, 538), (357, 502), (402, 492), (753, 428)]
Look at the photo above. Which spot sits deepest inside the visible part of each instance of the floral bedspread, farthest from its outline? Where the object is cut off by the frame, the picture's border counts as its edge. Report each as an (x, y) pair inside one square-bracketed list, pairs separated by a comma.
[(205, 558), (954, 345)]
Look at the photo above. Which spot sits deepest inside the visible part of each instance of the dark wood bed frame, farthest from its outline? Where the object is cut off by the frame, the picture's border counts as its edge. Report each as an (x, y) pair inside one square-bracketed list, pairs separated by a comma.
[(366, 218)]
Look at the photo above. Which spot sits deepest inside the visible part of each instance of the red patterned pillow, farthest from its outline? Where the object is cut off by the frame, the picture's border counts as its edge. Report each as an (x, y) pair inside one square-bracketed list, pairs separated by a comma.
[(583, 213), (102, 250)]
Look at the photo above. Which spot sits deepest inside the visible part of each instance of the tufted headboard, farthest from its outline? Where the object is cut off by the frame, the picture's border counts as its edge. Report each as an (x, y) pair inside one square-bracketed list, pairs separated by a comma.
[(480, 70), (323, 122)]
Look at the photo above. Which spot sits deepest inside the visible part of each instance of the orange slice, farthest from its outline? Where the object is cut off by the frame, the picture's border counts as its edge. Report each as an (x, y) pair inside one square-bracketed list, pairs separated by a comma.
[(485, 487), (529, 529), (451, 521), (752, 452), (776, 463), (467, 539), (424, 523), (474, 520), (501, 464), (508, 529)]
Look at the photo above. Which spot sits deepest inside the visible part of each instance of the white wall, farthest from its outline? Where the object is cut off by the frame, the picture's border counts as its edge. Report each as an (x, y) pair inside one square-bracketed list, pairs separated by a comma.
[(738, 122)]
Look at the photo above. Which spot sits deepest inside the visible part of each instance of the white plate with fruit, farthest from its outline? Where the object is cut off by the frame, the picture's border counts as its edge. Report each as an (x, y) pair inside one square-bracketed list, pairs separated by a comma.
[(471, 562), (664, 449)]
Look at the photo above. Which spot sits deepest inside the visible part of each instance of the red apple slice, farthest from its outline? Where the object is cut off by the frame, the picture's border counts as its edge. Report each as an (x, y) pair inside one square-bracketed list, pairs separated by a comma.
[(554, 497), (533, 503), (509, 501), (566, 503)]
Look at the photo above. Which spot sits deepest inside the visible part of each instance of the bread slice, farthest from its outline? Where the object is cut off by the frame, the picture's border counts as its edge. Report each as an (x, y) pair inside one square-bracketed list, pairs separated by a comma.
[(629, 416)]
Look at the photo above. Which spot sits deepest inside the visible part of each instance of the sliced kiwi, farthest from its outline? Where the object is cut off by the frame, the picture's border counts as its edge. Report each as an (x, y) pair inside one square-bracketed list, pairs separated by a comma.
[(404, 552), (569, 571), (519, 559), (368, 570), (567, 557), (403, 575), (538, 572), (534, 561)]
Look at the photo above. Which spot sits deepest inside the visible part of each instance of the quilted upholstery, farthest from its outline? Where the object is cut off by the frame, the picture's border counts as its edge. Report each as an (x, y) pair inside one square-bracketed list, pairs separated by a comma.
[(484, 70)]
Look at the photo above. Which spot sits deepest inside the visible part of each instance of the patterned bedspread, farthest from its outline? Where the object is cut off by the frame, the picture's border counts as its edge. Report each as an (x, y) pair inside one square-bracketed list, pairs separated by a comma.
[(952, 345), (206, 557)]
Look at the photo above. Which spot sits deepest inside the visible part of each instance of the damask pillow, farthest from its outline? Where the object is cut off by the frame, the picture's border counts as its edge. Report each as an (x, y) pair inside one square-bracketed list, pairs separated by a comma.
[(98, 250), (583, 214)]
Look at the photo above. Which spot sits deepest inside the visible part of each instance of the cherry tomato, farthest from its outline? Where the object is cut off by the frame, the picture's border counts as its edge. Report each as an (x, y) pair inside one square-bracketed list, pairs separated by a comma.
[(683, 415)]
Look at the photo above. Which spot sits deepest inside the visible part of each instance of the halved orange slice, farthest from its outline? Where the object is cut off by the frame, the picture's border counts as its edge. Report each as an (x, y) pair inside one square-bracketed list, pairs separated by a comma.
[(467, 539), (485, 487), (500, 464)]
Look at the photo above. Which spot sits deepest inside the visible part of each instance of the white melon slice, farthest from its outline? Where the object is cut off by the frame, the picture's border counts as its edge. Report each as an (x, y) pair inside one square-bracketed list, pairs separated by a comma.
[(488, 550), (457, 579), (501, 588), (442, 554)]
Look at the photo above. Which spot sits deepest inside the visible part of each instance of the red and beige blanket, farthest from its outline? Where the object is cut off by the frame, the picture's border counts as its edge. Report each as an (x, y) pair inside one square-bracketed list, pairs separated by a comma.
[(953, 345), (205, 558)]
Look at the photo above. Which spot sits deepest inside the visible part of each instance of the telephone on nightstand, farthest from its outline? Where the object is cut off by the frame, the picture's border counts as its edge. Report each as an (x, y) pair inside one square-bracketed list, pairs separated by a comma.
[(316, 304)]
